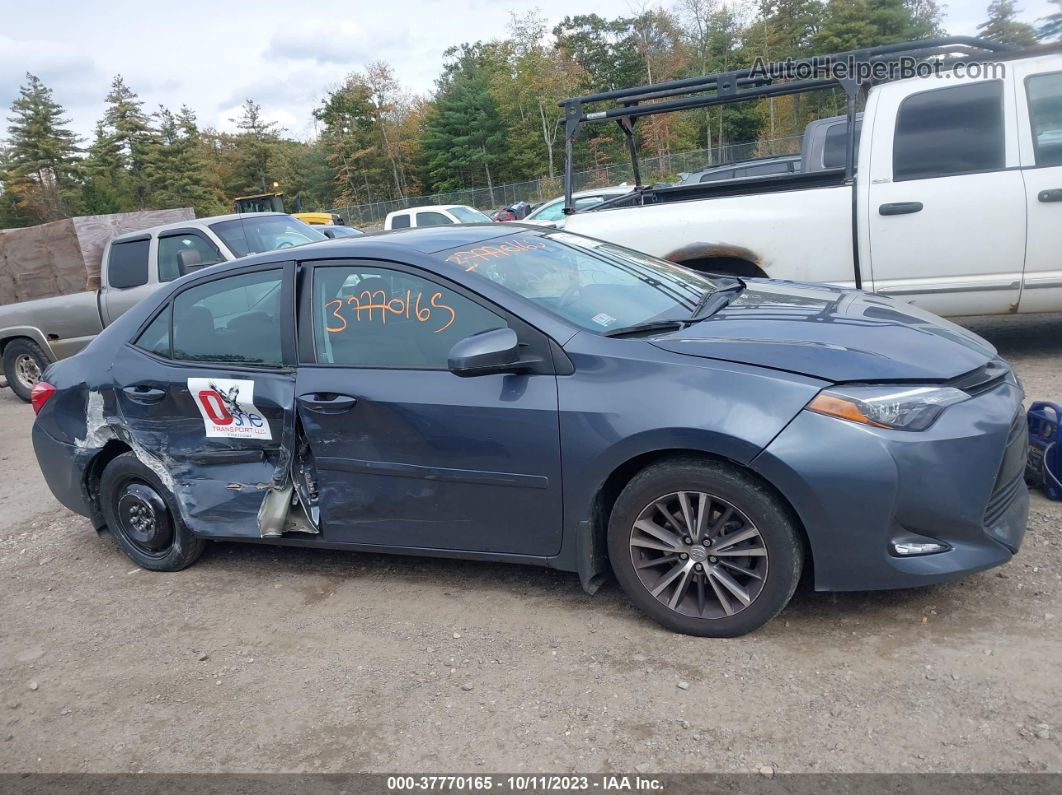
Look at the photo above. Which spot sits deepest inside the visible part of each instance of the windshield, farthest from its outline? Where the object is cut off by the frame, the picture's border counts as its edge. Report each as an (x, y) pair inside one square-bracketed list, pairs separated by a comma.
[(597, 286), (255, 234), (467, 215)]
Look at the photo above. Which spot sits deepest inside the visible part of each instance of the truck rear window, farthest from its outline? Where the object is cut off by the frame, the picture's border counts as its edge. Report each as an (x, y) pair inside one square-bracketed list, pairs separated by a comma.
[(127, 265)]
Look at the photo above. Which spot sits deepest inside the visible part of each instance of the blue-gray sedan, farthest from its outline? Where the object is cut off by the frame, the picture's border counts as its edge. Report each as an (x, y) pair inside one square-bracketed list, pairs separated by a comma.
[(527, 395)]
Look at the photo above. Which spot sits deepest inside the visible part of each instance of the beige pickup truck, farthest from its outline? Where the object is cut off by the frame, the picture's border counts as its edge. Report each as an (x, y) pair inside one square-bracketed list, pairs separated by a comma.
[(35, 333)]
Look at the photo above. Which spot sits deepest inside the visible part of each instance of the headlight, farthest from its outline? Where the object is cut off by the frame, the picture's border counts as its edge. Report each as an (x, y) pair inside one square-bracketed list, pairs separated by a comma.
[(902, 408)]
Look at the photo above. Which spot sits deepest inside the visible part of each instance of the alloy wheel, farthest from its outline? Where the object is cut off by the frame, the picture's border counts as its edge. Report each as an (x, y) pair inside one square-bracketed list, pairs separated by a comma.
[(698, 555)]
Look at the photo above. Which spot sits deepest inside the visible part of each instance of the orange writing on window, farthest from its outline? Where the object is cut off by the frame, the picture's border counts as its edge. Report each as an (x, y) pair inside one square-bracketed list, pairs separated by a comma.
[(371, 306), (471, 259)]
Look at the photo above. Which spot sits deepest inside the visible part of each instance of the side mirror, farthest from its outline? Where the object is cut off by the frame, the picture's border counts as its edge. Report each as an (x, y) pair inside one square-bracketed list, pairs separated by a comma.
[(494, 351)]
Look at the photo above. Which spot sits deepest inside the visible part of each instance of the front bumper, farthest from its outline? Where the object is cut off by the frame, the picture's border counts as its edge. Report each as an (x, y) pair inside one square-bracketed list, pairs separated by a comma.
[(857, 489)]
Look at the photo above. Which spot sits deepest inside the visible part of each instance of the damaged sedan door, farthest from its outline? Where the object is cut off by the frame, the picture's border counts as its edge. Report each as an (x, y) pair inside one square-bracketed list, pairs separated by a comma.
[(206, 393)]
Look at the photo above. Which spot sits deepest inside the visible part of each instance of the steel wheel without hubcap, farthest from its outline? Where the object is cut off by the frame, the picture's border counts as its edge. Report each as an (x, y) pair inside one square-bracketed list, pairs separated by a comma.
[(27, 370), (698, 555), (143, 517)]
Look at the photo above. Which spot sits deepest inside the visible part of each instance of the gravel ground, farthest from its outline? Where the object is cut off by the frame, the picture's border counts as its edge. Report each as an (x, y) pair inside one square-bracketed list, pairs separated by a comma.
[(274, 659)]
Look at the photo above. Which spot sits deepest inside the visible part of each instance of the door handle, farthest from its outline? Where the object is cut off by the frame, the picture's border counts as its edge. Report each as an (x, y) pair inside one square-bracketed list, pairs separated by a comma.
[(1052, 195), (900, 208), (142, 393), (327, 402)]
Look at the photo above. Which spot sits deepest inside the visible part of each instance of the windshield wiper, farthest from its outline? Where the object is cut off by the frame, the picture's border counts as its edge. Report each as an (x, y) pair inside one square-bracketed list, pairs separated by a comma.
[(714, 300), (647, 328)]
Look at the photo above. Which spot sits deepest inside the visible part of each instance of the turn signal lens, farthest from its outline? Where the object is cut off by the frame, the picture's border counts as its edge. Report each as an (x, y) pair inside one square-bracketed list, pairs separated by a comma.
[(902, 408), (40, 394)]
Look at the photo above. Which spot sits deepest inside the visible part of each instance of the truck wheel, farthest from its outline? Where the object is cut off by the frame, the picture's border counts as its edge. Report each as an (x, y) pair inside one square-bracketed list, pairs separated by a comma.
[(24, 363), (704, 548), (142, 517)]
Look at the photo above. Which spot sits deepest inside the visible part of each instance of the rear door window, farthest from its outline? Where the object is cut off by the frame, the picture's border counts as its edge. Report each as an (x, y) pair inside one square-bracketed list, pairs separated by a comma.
[(233, 319), (948, 131), (400, 221), (127, 265)]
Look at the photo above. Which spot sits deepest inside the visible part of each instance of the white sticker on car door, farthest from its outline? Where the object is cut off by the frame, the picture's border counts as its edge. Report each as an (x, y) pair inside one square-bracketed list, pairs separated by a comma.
[(228, 409)]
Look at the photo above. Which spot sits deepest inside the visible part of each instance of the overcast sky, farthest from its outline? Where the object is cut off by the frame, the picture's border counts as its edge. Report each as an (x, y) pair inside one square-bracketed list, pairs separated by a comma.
[(284, 54)]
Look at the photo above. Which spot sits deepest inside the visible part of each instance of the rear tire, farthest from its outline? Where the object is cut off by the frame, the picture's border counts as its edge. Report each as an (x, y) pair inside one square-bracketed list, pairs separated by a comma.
[(704, 548), (143, 519), (24, 364)]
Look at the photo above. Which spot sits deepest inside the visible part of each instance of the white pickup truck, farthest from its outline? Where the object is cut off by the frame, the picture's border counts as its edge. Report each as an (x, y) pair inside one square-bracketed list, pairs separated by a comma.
[(950, 195)]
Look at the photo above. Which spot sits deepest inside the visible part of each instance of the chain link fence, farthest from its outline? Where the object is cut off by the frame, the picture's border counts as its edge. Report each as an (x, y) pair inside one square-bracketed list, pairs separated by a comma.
[(667, 168)]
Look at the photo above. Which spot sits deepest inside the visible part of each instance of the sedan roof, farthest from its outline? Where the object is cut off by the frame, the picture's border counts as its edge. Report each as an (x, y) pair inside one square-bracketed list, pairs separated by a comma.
[(421, 240)]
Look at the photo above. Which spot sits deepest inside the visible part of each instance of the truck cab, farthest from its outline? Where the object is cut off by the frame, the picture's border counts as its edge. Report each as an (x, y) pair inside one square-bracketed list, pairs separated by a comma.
[(944, 191)]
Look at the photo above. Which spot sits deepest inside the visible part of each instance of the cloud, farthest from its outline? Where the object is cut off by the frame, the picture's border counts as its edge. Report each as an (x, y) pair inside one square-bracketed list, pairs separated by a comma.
[(70, 72), (334, 42)]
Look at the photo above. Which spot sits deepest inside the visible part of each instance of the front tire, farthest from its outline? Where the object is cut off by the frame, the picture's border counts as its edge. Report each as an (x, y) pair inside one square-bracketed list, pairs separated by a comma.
[(24, 364), (142, 517), (704, 548)]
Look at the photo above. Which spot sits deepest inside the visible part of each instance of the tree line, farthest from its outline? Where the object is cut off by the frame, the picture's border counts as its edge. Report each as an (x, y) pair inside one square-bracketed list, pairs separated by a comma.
[(492, 118)]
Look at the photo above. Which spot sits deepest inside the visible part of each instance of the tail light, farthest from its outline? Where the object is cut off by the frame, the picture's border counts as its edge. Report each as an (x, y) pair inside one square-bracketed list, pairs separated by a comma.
[(40, 395)]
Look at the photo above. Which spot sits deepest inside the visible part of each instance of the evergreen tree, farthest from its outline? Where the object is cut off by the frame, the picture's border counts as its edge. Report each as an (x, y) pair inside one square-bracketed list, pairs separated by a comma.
[(129, 131), (851, 24), (1003, 26), (464, 139), (255, 144), (105, 175), (41, 167), (1051, 25), (174, 173)]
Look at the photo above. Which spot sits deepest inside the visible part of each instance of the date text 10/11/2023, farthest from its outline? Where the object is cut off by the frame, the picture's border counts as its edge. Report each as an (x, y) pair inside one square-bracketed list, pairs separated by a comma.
[(375, 305)]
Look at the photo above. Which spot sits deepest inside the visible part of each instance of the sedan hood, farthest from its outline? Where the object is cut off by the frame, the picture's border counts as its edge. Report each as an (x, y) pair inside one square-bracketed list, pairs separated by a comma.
[(831, 333)]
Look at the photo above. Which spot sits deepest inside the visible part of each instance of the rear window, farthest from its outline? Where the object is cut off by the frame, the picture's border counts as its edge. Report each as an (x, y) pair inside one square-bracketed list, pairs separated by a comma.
[(835, 144), (948, 131), (432, 219), (715, 176), (467, 215), (127, 265)]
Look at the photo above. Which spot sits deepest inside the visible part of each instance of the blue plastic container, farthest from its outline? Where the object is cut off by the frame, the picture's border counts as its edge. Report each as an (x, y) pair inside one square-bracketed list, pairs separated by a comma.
[(1044, 467)]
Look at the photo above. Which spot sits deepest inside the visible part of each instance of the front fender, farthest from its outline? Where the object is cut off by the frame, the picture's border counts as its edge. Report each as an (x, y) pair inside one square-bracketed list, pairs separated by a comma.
[(615, 415)]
